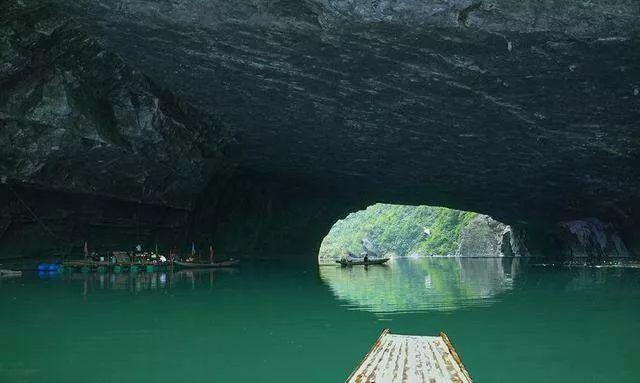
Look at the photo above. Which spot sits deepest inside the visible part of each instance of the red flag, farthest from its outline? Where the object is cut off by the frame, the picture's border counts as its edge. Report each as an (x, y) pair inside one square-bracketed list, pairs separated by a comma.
[(86, 250)]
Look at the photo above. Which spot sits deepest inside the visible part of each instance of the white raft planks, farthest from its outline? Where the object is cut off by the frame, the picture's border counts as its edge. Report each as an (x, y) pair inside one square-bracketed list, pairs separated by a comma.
[(412, 359)]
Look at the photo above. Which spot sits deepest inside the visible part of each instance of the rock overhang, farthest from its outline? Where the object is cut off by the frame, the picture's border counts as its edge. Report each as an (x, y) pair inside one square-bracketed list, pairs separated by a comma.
[(527, 111)]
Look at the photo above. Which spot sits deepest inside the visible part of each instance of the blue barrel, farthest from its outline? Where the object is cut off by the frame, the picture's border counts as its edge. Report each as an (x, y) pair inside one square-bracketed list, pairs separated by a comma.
[(53, 267), (43, 267)]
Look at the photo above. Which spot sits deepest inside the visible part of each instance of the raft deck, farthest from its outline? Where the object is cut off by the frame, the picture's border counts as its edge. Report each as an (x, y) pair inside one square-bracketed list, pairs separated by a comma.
[(407, 358)]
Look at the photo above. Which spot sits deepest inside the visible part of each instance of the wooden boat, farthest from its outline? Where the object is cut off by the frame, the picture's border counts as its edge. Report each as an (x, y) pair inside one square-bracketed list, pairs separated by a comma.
[(10, 273), (206, 265), (374, 261), (395, 358)]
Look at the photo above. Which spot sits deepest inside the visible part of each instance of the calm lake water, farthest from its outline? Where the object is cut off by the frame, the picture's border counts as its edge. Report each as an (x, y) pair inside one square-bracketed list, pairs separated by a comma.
[(291, 322)]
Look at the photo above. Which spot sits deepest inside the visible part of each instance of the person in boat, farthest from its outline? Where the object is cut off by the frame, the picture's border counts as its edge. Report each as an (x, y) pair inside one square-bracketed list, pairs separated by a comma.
[(96, 257)]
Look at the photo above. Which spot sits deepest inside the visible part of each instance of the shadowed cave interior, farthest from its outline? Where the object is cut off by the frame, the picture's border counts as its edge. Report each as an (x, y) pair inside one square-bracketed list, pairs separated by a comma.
[(257, 126)]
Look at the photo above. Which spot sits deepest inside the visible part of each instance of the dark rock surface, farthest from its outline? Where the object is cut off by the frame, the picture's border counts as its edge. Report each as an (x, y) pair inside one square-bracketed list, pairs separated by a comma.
[(54, 224), (592, 239), (76, 117), (525, 110)]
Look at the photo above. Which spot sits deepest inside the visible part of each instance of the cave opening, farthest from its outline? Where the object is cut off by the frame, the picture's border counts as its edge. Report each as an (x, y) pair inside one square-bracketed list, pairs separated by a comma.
[(419, 258), (391, 231)]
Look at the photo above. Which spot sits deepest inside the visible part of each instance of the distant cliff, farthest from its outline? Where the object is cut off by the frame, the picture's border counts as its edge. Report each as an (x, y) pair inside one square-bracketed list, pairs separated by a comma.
[(483, 236)]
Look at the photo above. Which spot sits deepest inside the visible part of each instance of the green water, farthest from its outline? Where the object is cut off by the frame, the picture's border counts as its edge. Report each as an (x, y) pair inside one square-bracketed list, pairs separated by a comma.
[(292, 322)]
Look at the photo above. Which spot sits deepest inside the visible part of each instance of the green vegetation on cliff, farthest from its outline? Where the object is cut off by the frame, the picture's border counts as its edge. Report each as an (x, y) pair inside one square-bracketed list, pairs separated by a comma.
[(399, 229)]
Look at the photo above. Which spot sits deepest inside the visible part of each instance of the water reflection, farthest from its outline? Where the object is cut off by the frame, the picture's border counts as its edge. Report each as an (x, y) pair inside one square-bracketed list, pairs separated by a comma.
[(136, 282), (423, 284)]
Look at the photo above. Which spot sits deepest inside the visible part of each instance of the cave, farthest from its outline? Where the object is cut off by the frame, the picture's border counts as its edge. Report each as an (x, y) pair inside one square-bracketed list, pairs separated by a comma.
[(257, 190), (258, 125)]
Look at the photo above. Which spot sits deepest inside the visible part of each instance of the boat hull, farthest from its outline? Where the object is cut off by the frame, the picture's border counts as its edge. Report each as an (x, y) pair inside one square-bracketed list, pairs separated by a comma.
[(380, 261), (10, 273), (193, 265)]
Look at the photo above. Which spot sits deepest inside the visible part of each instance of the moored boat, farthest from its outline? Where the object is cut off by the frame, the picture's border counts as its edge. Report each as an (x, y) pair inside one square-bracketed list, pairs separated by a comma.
[(10, 273), (205, 265)]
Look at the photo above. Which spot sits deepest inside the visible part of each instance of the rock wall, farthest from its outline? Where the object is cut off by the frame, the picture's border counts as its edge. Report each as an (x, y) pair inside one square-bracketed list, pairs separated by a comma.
[(486, 237), (592, 239), (75, 117)]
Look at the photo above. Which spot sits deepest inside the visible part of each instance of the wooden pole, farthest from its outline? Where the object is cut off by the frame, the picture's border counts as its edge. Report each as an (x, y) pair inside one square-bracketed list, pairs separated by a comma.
[(375, 345), (453, 352)]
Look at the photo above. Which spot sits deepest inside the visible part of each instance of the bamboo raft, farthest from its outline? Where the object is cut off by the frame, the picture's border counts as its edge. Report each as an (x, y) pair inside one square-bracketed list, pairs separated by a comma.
[(412, 359)]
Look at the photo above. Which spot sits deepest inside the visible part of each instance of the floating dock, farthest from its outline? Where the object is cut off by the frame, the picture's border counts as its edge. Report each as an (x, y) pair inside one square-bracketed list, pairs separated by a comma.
[(89, 266), (413, 359)]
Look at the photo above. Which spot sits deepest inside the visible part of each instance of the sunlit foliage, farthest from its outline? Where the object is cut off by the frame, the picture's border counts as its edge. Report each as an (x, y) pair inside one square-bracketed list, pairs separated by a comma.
[(398, 229)]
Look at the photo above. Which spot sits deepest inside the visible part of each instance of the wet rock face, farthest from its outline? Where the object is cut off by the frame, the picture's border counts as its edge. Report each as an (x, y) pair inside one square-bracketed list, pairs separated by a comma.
[(524, 110)]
